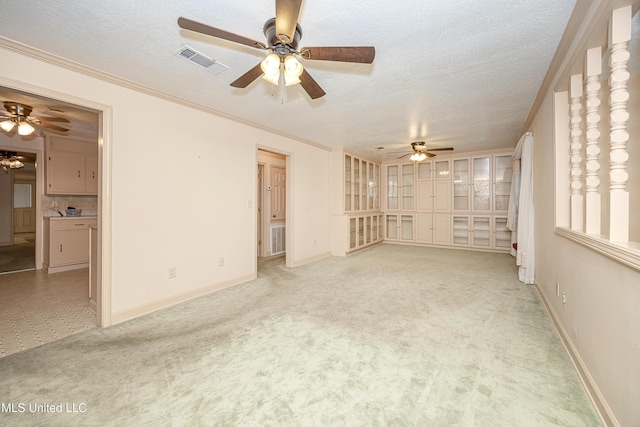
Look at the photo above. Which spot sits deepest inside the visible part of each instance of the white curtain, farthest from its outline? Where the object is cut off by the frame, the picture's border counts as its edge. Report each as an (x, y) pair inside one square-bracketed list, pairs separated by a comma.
[(520, 214)]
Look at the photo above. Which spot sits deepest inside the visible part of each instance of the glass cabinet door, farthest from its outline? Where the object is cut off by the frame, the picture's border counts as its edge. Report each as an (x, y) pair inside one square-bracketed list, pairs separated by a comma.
[(481, 231), (424, 171), (461, 230), (370, 187), (406, 227), (443, 169), (374, 228), (502, 182), (364, 182), (392, 226), (481, 184), (347, 182), (353, 226), (502, 235), (361, 231), (356, 184), (376, 191), (392, 187), (407, 187), (461, 185)]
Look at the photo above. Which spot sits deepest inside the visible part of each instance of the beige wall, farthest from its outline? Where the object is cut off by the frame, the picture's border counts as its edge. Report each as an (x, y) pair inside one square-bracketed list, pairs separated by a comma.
[(188, 210), (601, 318)]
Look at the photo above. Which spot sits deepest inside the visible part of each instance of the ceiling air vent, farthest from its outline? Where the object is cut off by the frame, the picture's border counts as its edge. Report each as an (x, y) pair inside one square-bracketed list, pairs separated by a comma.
[(192, 55)]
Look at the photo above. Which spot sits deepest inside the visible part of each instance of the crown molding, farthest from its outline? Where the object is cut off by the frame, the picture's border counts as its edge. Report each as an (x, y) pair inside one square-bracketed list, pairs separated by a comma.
[(56, 60)]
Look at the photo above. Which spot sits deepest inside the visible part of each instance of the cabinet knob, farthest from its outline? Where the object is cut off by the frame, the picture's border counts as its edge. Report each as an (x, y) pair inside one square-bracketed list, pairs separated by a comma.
[(60, 247), (78, 173)]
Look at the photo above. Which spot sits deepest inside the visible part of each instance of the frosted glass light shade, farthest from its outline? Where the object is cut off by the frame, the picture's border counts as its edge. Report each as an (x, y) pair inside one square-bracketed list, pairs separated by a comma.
[(25, 128), (7, 125)]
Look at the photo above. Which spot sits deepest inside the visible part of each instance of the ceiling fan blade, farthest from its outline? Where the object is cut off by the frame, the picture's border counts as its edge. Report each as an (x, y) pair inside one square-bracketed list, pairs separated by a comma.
[(311, 86), (245, 79), (359, 54), (429, 154), (287, 13), (50, 119), (440, 149), (403, 156), (188, 24)]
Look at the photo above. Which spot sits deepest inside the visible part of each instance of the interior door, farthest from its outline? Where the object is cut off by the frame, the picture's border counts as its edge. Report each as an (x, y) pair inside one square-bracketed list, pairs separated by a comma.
[(278, 193), (24, 201)]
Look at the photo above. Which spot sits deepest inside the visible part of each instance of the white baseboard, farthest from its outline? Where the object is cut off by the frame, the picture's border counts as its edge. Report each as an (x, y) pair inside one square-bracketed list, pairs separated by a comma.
[(602, 408), (310, 259), (144, 309)]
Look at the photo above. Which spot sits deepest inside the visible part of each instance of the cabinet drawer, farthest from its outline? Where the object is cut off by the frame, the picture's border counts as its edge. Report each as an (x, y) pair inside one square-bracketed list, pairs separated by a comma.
[(71, 225)]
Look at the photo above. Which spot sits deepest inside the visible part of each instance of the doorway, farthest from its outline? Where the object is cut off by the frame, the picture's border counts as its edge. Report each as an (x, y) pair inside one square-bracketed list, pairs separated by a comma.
[(60, 299), (271, 212), (18, 206)]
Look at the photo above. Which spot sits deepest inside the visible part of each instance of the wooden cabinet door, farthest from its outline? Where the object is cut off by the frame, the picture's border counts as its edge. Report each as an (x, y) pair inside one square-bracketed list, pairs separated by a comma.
[(442, 197), (424, 228), (441, 229), (91, 175), (65, 173), (69, 247)]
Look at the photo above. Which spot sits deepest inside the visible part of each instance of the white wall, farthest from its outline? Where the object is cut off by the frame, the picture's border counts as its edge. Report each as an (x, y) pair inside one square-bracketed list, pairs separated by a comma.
[(181, 194)]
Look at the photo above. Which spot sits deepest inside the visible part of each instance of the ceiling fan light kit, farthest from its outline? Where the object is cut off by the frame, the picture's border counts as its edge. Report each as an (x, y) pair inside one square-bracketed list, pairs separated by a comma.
[(8, 160), (421, 152), (283, 33), (19, 114)]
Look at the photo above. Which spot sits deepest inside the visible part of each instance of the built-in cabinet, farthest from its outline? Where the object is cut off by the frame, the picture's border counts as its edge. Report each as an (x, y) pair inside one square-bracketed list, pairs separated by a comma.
[(71, 166), (357, 220), (449, 201), (66, 243)]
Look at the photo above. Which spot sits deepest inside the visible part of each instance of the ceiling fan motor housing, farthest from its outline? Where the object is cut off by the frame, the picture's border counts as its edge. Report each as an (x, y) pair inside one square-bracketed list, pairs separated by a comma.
[(275, 42)]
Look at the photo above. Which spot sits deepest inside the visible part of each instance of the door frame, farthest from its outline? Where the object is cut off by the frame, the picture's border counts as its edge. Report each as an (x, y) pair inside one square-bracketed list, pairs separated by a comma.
[(105, 126), (289, 217)]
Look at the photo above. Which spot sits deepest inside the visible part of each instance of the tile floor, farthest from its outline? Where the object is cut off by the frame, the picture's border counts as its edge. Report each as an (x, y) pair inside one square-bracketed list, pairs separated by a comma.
[(37, 308)]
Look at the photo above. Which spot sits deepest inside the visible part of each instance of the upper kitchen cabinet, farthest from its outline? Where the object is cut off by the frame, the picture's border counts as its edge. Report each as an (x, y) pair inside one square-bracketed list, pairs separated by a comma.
[(71, 166)]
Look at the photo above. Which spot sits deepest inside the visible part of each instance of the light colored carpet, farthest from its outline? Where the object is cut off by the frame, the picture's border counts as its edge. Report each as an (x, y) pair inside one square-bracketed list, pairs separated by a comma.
[(394, 335)]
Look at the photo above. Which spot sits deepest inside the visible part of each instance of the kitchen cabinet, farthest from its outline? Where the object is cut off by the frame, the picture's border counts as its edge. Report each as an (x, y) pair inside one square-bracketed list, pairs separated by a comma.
[(66, 243), (481, 232), (71, 166)]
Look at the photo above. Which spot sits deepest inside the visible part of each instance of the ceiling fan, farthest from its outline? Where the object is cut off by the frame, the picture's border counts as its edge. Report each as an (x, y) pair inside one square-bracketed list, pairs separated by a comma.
[(421, 152), (283, 34), (19, 114)]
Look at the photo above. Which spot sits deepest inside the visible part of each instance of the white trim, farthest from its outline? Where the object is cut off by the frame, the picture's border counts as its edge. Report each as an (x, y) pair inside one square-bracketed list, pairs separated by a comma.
[(626, 253), (304, 261), (151, 307), (600, 404)]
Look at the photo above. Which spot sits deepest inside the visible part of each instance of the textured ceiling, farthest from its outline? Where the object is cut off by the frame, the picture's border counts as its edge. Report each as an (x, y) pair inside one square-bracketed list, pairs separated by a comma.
[(461, 73)]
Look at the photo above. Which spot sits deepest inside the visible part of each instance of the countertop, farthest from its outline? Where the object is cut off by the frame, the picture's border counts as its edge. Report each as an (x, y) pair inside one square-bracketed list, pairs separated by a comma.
[(58, 218)]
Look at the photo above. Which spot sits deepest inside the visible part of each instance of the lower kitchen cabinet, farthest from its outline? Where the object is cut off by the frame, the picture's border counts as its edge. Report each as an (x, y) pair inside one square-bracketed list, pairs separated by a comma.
[(66, 243)]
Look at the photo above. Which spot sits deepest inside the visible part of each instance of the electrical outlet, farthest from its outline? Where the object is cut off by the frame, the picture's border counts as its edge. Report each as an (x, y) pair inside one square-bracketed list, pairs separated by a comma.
[(564, 297), (172, 272), (221, 261), (557, 289)]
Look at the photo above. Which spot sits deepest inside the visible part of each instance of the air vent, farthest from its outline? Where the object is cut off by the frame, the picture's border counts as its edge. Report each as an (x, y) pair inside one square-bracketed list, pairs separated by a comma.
[(192, 55)]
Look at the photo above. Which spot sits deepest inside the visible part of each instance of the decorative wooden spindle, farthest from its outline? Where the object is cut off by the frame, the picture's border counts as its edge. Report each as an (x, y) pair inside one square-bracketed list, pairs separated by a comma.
[(577, 202), (619, 36), (593, 67)]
